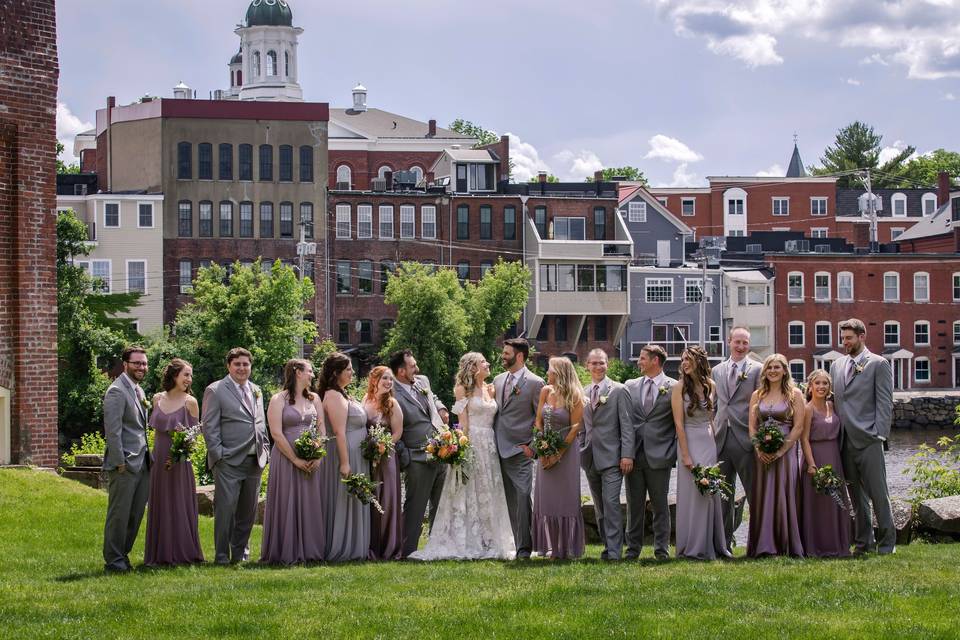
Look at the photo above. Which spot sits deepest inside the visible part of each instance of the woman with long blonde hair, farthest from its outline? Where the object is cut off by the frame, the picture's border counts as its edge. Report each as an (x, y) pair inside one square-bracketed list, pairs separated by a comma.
[(382, 408), (557, 518), (774, 517)]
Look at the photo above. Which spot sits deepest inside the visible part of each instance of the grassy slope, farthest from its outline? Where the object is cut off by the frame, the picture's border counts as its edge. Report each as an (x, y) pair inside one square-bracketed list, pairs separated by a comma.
[(51, 585)]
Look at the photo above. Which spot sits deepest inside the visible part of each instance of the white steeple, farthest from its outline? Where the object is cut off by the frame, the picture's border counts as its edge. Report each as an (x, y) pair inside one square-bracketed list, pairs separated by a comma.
[(268, 53)]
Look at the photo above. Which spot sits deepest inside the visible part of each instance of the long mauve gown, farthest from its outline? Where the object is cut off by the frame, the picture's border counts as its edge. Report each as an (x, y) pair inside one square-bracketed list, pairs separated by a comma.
[(824, 526), (172, 516), (774, 516), (348, 521), (294, 528), (557, 518), (386, 531)]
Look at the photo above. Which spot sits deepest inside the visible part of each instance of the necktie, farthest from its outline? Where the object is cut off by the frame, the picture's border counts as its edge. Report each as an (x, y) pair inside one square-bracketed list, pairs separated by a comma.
[(733, 372), (595, 396), (648, 395), (420, 398), (850, 370), (508, 387), (245, 395)]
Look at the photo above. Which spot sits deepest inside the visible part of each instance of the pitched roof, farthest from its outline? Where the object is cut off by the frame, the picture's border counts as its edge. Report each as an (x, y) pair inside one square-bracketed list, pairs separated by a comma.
[(796, 170), (939, 223), (847, 204), (376, 123)]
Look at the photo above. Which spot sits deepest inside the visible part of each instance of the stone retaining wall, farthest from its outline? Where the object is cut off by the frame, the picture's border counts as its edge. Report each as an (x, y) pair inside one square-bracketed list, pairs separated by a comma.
[(925, 412)]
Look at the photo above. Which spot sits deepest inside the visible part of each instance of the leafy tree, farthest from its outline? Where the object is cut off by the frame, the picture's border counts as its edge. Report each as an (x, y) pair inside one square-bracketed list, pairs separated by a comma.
[(631, 174), (323, 348), (467, 128), (857, 147), (65, 168), (550, 178), (924, 170), (494, 303)]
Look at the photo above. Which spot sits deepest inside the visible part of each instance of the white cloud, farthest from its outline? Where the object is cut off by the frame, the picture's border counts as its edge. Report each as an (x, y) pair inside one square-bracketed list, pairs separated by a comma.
[(853, 82), (875, 59), (68, 126), (949, 97), (576, 167), (671, 150), (683, 178), (774, 171), (755, 50), (526, 159), (888, 153)]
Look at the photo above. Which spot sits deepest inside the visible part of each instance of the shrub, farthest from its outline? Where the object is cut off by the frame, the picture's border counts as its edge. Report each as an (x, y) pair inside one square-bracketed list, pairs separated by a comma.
[(935, 471), (89, 443)]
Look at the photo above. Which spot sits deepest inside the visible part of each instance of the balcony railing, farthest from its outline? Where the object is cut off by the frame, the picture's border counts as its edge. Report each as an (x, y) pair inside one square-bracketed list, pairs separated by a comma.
[(675, 348)]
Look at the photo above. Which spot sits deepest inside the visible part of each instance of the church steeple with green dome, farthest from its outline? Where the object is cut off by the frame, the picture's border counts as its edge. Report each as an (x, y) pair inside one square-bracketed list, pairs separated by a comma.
[(269, 13), (265, 68)]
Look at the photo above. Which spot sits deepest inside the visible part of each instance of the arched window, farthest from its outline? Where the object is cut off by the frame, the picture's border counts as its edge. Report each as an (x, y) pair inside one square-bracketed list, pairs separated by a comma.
[(929, 203), (256, 64), (286, 63), (898, 205), (344, 177), (239, 77), (271, 63), (382, 171), (418, 173)]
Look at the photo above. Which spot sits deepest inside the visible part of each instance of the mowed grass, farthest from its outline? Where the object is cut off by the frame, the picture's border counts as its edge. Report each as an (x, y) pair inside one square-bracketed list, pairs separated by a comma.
[(52, 585)]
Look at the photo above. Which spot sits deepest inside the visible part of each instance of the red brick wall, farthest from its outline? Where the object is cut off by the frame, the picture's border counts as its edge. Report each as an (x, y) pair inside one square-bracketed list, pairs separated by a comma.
[(28, 305), (760, 206), (702, 218), (365, 164)]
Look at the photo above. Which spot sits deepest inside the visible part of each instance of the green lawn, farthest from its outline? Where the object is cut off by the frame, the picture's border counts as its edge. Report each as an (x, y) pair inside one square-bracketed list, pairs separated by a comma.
[(52, 585)]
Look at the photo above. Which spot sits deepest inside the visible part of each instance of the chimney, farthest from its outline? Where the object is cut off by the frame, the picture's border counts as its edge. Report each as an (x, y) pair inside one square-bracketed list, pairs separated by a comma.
[(861, 235), (432, 130), (943, 188), (542, 177), (598, 176)]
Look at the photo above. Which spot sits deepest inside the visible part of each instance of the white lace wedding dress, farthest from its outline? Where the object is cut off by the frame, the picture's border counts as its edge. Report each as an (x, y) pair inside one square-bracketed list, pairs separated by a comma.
[(472, 521)]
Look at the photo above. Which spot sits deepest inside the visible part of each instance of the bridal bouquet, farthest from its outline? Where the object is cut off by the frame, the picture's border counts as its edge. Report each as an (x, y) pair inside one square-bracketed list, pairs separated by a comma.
[(378, 445), (310, 445), (450, 446), (362, 488), (710, 481), (828, 483), (769, 438), (182, 441)]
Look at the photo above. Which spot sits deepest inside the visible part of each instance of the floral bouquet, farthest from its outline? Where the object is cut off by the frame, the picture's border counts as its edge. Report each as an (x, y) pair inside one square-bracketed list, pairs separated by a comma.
[(362, 488), (378, 445), (182, 441), (710, 481), (310, 445), (769, 438), (548, 441), (828, 483), (450, 446)]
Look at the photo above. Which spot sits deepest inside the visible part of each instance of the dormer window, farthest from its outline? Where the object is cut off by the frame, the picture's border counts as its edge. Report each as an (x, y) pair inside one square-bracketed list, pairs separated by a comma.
[(898, 205), (929, 204), (480, 176)]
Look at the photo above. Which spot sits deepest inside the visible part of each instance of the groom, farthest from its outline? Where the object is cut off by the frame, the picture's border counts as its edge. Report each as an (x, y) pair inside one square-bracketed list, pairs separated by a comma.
[(517, 391)]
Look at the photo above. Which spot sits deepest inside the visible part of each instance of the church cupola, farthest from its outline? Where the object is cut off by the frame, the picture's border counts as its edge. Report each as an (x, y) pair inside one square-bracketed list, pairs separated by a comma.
[(359, 98), (265, 68)]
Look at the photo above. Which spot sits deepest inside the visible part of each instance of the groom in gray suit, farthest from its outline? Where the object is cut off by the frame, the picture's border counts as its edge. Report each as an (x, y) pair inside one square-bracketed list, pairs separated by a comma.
[(863, 395), (736, 379), (518, 392), (235, 433), (606, 450), (655, 452), (126, 460)]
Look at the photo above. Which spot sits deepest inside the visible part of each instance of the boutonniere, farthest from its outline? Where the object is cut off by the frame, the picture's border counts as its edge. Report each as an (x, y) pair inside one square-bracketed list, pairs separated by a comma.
[(857, 368), (516, 391), (146, 403), (419, 389), (603, 399), (663, 390), (257, 394), (742, 376)]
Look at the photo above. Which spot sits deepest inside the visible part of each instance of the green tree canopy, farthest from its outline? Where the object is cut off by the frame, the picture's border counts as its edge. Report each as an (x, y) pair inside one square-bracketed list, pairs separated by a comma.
[(467, 128), (65, 168), (550, 178), (923, 171), (631, 174), (857, 147)]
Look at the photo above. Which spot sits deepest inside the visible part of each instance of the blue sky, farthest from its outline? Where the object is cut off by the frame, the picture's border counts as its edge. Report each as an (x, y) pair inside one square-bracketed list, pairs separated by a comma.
[(682, 89)]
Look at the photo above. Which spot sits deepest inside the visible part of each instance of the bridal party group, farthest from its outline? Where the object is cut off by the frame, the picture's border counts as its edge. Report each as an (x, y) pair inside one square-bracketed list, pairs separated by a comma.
[(497, 476)]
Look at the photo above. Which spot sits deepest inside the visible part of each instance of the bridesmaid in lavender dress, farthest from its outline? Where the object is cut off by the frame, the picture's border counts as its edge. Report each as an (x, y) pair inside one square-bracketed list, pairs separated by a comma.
[(386, 531), (774, 516), (293, 523), (557, 518), (700, 533), (348, 521), (824, 526), (172, 515)]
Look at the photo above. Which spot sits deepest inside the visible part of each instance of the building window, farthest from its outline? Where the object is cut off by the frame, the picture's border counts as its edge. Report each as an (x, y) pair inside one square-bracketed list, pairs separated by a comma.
[(205, 161), (463, 271), (566, 228), (344, 178), (921, 370), (956, 332), (306, 218), (271, 63), (896, 232), (481, 177), (486, 222), (365, 276), (184, 219), (898, 205), (225, 153), (752, 295), (286, 163), (306, 163), (795, 333), (386, 269), (417, 175), (256, 64), (226, 219), (929, 204), (795, 287), (921, 333), (343, 332), (548, 277), (428, 222), (186, 280), (636, 211), (891, 287), (956, 287), (845, 286), (798, 371), (366, 332), (735, 207), (781, 206), (364, 220), (599, 223), (688, 207), (266, 163), (111, 215), (540, 221), (226, 216), (891, 334), (821, 287), (566, 277), (921, 287), (343, 221), (560, 329), (819, 232), (543, 331), (600, 328), (136, 276), (612, 277), (408, 223), (184, 161), (386, 221), (463, 222), (823, 330), (714, 334), (693, 290), (245, 162), (343, 276), (585, 277), (286, 219), (818, 206), (658, 290), (382, 171)]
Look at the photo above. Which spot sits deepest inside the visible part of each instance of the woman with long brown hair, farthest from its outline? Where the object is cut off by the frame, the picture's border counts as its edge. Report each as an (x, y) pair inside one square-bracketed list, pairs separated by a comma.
[(774, 517), (381, 407)]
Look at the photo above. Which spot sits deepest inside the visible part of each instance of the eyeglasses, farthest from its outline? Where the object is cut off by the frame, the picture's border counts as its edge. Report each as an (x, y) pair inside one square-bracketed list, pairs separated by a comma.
[(137, 363)]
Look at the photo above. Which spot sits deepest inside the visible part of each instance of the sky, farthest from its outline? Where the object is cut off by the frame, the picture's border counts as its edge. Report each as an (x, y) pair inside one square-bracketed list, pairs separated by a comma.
[(682, 89)]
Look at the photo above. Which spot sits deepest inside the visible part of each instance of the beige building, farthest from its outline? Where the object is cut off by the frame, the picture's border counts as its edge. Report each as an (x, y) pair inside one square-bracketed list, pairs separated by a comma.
[(748, 302)]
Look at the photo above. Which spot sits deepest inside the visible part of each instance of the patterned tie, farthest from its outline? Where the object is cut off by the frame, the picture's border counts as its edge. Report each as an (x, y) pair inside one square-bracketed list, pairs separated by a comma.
[(733, 372), (851, 369), (245, 396), (648, 396), (508, 388), (595, 396)]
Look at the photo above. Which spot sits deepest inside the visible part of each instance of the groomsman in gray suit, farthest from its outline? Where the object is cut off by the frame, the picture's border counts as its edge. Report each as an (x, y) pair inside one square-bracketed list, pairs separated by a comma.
[(422, 414), (606, 450), (518, 391), (235, 433), (126, 459), (736, 379), (654, 453), (863, 396)]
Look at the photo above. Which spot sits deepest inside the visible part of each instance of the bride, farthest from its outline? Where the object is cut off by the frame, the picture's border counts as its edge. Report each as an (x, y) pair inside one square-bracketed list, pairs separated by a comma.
[(472, 521)]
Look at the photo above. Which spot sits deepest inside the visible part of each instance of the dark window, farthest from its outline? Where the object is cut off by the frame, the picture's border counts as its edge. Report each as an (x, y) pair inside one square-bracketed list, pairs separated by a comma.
[(540, 221), (366, 331), (145, 215), (286, 219), (226, 219), (266, 219), (306, 217), (246, 219), (365, 276), (266, 163), (386, 268), (245, 162), (206, 219), (185, 219), (599, 223), (463, 271), (205, 161), (463, 222), (600, 328), (509, 223), (226, 161), (343, 276), (286, 163), (306, 163), (486, 222), (543, 332), (184, 161), (343, 332), (560, 330), (111, 214), (585, 273)]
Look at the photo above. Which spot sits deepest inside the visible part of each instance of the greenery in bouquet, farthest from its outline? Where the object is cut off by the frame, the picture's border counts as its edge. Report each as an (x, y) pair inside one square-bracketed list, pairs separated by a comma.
[(182, 442), (378, 445), (709, 480), (311, 444), (828, 483), (361, 487), (769, 438), (547, 442)]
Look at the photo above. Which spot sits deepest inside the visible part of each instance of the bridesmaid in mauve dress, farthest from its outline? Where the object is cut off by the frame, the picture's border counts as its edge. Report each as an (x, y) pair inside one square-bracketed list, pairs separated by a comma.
[(774, 516), (824, 526), (172, 536), (294, 528), (348, 520), (386, 531), (700, 533), (557, 516)]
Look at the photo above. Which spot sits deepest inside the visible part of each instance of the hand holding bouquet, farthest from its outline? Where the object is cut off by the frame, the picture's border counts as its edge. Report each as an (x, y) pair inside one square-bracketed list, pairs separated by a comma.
[(378, 445), (311, 445), (362, 488), (710, 481), (827, 482), (182, 442), (547, 442), (769, 438), (450, 446)]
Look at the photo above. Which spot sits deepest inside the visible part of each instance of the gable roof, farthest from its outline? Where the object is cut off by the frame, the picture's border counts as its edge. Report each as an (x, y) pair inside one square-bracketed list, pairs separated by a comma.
[(376, 123), (940, 223), (651, 200)]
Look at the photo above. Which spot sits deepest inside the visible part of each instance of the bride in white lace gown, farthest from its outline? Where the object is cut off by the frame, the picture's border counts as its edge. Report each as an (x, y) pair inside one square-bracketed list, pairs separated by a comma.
[(472, 521)]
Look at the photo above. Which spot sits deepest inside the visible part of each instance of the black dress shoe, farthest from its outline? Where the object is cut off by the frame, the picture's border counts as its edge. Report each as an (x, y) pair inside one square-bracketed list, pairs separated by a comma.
[(524, 555), (632, 556)]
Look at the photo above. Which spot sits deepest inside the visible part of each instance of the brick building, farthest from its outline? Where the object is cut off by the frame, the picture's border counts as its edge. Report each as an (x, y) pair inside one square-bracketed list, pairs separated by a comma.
[(29, 71)]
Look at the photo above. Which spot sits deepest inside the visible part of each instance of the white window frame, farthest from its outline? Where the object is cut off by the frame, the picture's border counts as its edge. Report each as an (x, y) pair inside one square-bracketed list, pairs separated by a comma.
[(928, 197), (428, 222), (790, 296), (382, 221), (382, 171), (119, 214), (153, 218), (819, 232), (698, 282), (803, 332), (662, 200), (127, 278), (896, 232), (894, 199), (816, 340), (916, 370), (956, 332), (784, 205), (840, 297), (892, 323), (344, 216), (815, 202), (185, 288), (349, 176), (364, 221), (916, 325), (408, 219), (926, 278), (657, 282), (896, 276), (108, 281), (802, 363), (955, 286), (636, 211), (568, 222), (693, 207), (817, 290)]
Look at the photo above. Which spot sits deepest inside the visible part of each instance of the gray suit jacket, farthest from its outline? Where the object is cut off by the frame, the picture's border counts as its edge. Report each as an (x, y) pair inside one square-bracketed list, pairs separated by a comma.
[(228, 426), (516, 413), (655, 434), (418, 424), (124, 426), (865, 406), (733, 403), (607, 433)]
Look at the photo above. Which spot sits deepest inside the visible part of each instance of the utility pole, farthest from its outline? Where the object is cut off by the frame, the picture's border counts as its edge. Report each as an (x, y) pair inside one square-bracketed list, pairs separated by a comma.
[(871, 212), (304, 249), (703, 299)]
